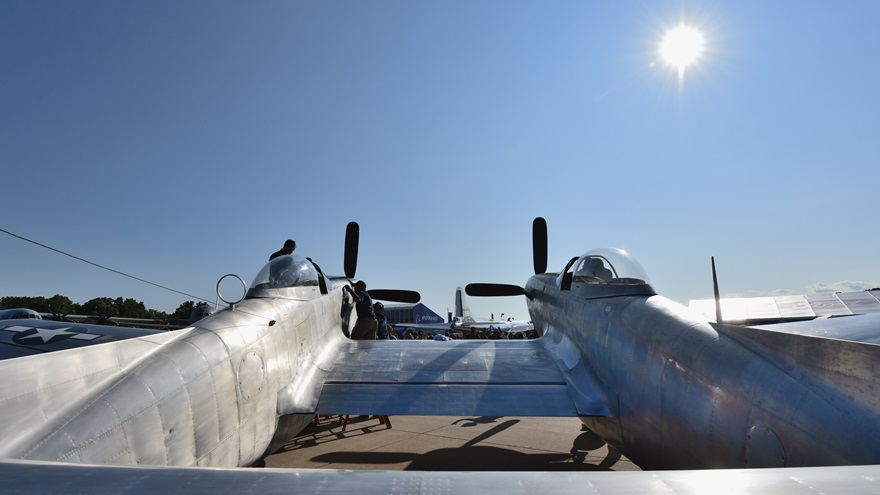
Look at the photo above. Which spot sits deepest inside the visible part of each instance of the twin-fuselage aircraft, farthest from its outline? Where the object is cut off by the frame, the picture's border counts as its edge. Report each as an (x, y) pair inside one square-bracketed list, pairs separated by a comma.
[(663, 386)]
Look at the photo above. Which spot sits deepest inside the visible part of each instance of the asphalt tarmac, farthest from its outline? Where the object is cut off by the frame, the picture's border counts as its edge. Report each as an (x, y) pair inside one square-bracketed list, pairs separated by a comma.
[(444, 443)]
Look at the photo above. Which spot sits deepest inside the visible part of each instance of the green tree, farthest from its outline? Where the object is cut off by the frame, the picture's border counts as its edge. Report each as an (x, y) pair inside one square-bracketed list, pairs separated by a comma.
[(102, 307), (39, 304), (185, 310), (130, 308), (60, 306)]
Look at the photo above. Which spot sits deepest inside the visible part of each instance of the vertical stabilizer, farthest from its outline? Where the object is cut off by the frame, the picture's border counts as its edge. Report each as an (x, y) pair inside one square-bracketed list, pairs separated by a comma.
[(462, 311)]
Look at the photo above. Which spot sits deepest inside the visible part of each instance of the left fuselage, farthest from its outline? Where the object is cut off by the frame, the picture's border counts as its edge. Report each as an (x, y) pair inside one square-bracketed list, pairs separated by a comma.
[(209, 397)]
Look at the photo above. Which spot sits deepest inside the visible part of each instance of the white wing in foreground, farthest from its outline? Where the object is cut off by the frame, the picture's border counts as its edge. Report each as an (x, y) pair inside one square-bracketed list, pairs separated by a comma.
[(45, 477)]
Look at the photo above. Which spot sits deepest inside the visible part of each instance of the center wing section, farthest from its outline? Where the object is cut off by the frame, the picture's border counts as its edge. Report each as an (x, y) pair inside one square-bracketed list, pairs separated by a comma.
[(464, 377)]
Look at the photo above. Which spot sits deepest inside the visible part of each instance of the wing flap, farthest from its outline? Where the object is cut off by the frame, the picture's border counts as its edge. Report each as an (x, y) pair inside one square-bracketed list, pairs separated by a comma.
[(429, 399)]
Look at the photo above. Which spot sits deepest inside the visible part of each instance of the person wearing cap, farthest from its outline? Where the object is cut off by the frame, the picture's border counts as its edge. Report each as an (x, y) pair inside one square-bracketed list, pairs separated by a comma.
[(382, 329), (365, 328)]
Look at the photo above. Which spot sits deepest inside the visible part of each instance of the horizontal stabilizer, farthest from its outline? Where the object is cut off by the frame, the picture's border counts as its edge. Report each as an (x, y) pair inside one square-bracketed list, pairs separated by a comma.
[(789, 308), (860, 328), (851, 366)]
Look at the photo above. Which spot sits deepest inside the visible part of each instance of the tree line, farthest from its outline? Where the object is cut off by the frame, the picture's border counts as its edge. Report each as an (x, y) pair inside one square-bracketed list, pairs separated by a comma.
[(103, 307)]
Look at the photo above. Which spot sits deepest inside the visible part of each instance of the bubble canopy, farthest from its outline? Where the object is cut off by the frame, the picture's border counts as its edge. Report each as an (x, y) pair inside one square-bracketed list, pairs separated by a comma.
[(286, 272), (610, 266), (605, 272)]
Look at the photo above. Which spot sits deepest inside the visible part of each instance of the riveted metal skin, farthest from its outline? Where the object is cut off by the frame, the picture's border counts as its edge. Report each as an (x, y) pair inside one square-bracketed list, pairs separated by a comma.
[(657, 381), (208, 395), (685, 393)]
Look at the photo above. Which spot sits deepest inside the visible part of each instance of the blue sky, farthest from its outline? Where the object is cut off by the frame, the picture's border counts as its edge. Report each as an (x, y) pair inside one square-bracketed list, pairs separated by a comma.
[(180, 141)]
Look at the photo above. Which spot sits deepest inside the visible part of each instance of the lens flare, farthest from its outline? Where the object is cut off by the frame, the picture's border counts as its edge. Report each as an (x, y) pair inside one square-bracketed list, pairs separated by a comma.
[(682, 46)]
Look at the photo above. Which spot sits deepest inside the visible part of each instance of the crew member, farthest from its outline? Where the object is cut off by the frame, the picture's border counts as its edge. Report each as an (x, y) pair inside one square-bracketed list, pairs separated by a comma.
[(365, 328), (289, 246)]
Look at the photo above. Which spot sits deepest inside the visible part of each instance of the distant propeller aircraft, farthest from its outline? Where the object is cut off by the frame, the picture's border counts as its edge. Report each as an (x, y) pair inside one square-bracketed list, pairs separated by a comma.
[(463, 319), (661, 384)]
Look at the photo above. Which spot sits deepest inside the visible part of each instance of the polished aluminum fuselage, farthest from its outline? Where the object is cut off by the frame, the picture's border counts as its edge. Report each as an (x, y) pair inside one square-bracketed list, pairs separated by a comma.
[(214, 394), (685, 393)]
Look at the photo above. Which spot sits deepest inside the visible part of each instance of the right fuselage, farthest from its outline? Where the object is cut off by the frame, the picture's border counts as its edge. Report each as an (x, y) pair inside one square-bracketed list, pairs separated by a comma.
[(689, 396)]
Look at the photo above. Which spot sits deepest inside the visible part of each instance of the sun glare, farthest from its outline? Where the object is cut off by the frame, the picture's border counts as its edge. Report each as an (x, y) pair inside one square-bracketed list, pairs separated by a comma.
[(681, 46)]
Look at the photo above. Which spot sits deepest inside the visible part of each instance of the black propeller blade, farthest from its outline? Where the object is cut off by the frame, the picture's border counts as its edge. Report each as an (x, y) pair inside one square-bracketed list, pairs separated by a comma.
[(539, 257), (489, 290), (539, 245), (395, 295), (352, 233)]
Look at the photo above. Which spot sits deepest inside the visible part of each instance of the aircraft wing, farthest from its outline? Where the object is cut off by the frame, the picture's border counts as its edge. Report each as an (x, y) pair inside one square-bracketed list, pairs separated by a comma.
[(131, 322), (20, 338), (462, 377), (28, 477), (779, 309), (858, 328)]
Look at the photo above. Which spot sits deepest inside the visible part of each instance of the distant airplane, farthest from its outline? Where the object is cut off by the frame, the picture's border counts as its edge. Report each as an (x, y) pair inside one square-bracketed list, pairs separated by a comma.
[(464, 321), (464, 318), (662, 385), (20, 314)]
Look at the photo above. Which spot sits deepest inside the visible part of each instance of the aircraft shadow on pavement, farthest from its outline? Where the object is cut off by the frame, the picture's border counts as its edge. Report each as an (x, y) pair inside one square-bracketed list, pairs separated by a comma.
[(586, 452), (480, 420), (470, 458)]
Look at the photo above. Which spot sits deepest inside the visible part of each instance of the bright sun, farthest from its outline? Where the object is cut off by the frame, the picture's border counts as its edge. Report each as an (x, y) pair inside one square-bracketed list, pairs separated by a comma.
[(681, 47)]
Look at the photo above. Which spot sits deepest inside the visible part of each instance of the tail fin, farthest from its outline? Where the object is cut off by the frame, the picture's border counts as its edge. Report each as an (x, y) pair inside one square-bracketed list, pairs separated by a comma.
[(462, 311)]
